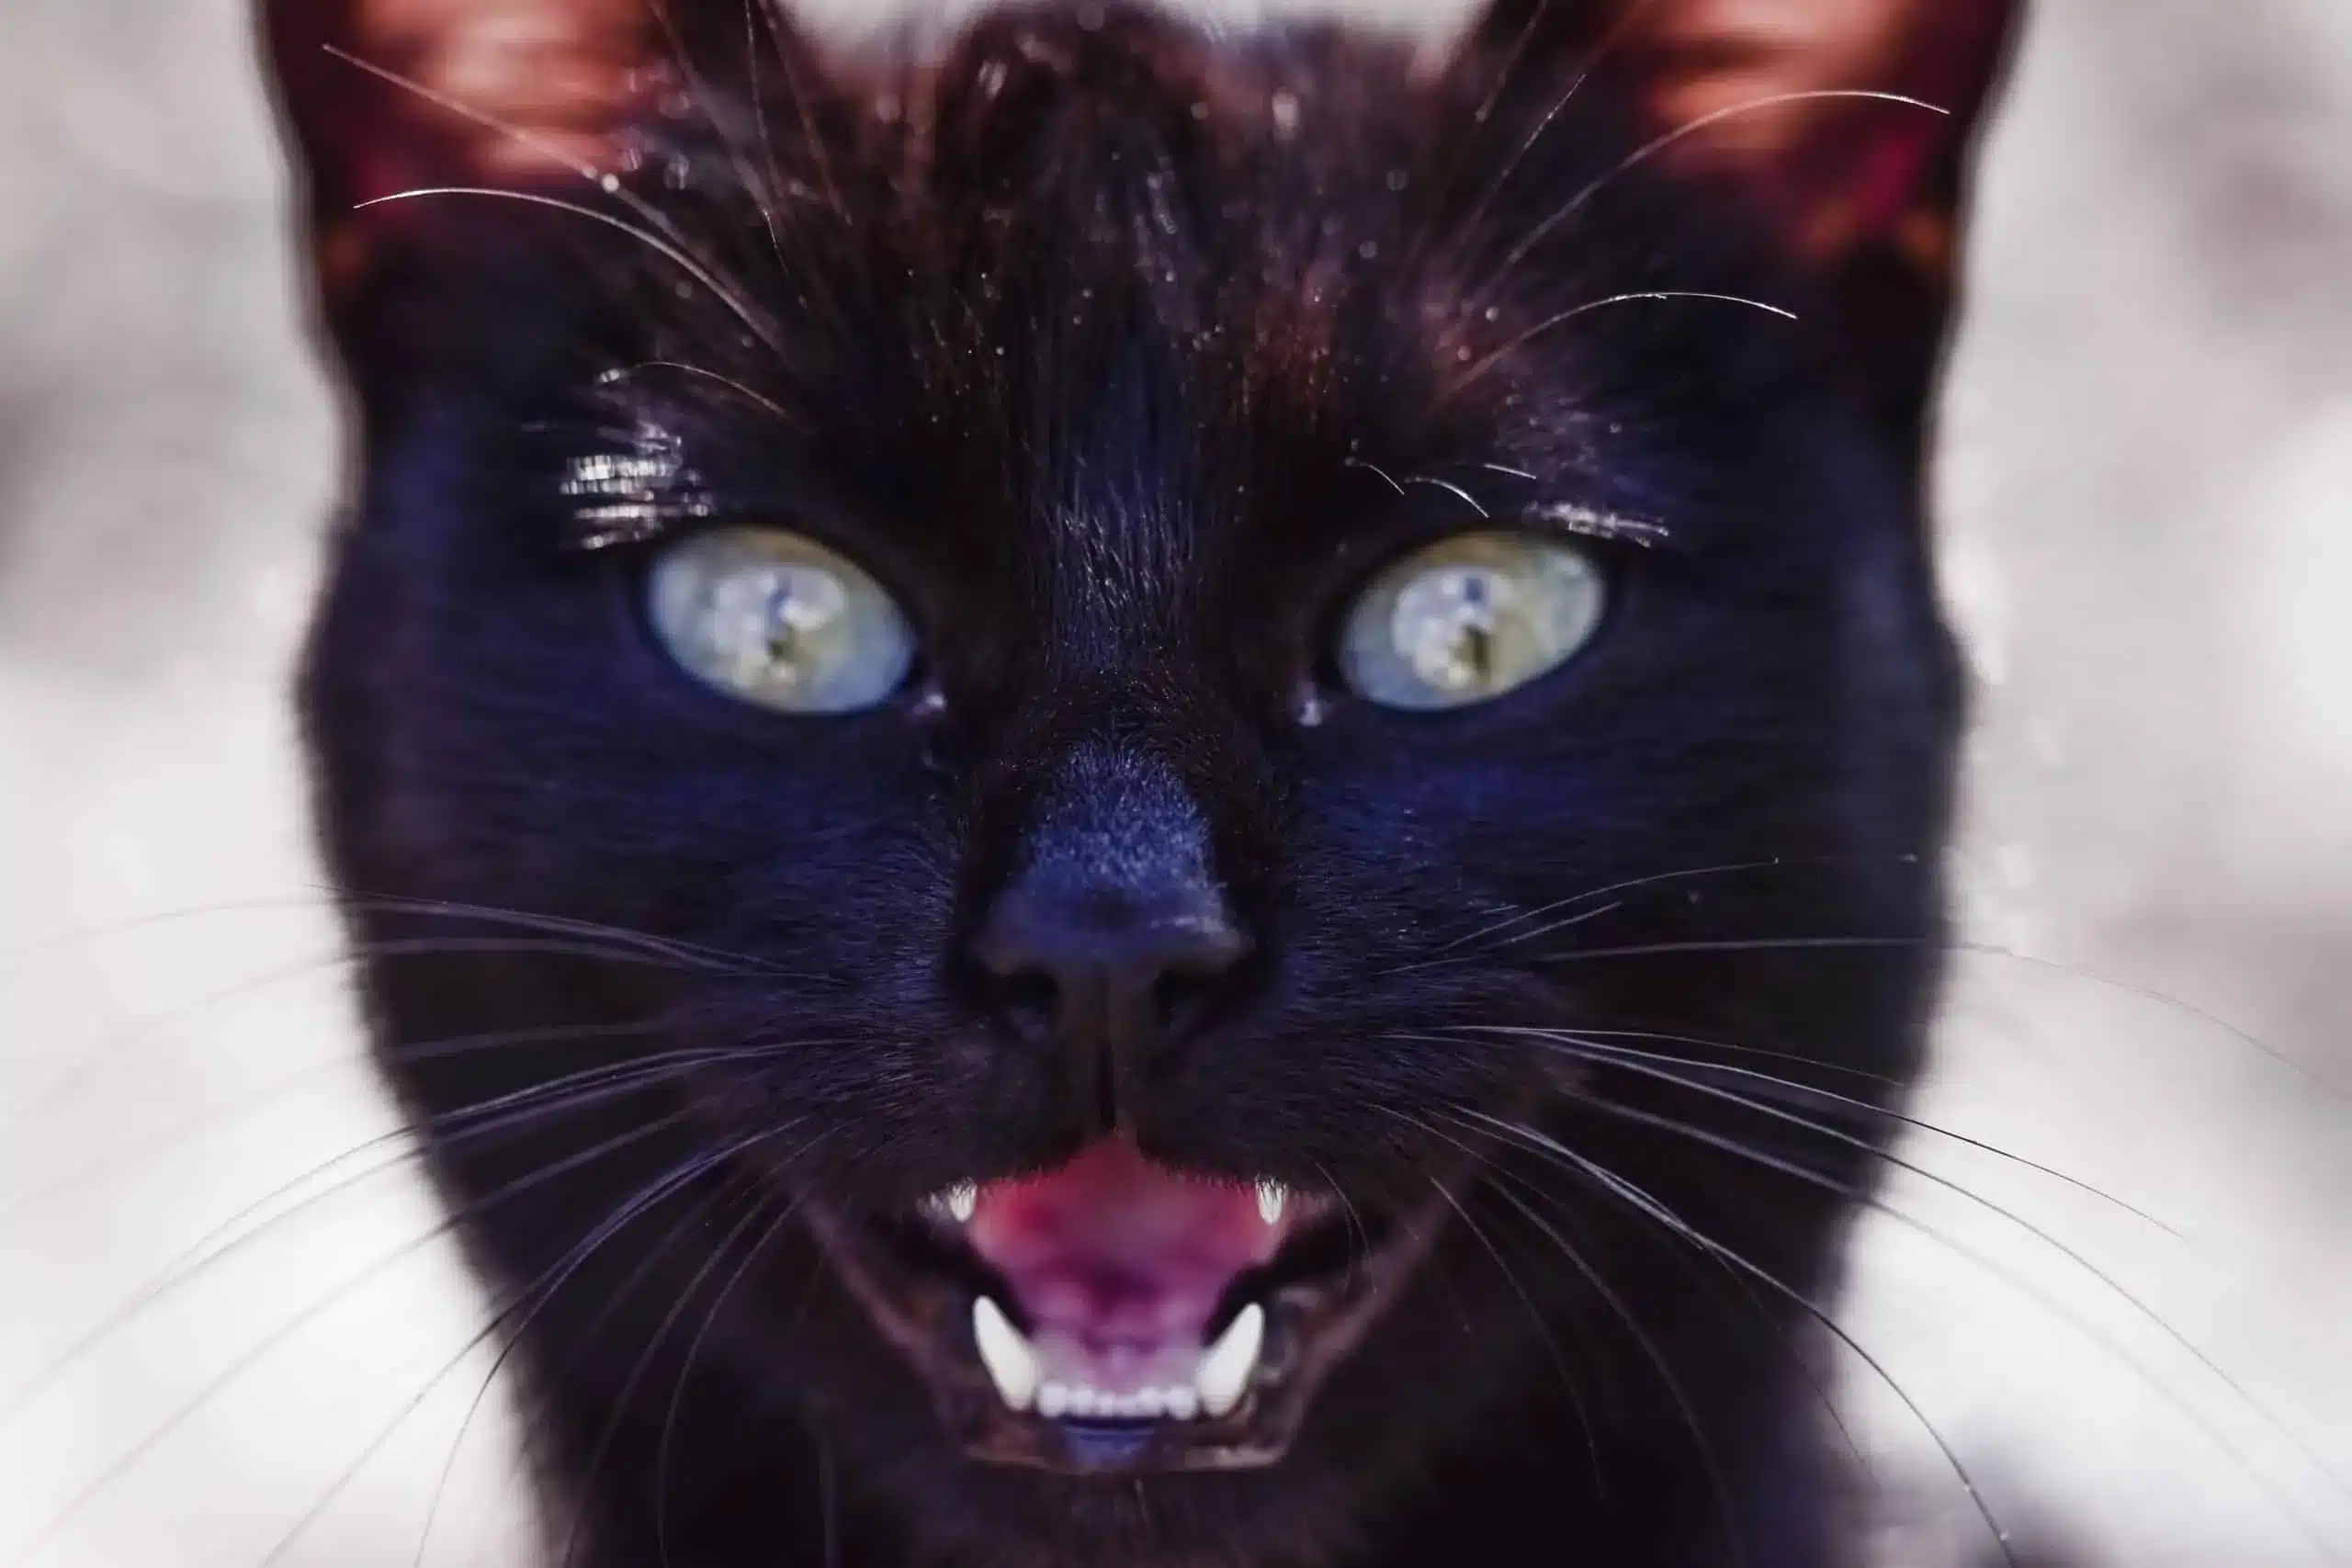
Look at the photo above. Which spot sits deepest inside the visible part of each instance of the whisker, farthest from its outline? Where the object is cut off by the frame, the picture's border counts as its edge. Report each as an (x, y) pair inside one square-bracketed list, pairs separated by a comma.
[(1609, 43), (2309, 1074), (2275, 1424), (1616, 1302), (537, 1294), (654, 226), (701, 95), (810, 131), (146, 1032), (1863, 945), (646, 237), (1644, 1063), (1444, 960), (1541, 911), (522, 1108), (1816, 1064), (1453, 489), (119, 1162), (1479, 116), (1496, 357), (309, 1315), (644, 1361), (1657, 1211), (1542, 1328), (1655, 146), (1747, 1293), (1739, 944), (776, 183), (181, 1133), (588, 1335), (729, 382), (1373, 467), (325, 899), (1354, 1219), (686, 1367)]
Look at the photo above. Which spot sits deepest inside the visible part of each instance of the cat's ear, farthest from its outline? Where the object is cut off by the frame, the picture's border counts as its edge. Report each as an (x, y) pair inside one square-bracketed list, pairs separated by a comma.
[(1847, 123), (386, 98)]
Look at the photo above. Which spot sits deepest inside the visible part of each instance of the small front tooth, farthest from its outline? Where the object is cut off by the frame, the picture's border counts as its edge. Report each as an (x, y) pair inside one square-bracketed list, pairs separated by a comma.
[(1084, 1401), (962, 1200), (1270, 1199), (1053, 1401), (1181, 1403), (1011, 1363), (1223, 1373), (1149, 1404)]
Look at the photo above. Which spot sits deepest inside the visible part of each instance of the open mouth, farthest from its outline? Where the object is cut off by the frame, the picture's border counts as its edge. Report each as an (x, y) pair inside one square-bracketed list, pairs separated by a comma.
[(1114, 1316)]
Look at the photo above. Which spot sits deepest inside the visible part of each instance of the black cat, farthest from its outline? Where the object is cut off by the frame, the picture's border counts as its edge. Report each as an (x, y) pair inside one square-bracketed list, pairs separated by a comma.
[(1135, 796)]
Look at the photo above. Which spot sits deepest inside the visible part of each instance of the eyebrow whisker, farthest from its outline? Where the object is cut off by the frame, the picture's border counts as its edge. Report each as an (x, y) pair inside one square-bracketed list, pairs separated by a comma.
[(1467, 499)]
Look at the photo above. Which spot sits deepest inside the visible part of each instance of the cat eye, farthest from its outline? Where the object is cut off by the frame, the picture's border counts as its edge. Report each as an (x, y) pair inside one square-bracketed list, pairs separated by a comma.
[(1470, 618), (779, 620)]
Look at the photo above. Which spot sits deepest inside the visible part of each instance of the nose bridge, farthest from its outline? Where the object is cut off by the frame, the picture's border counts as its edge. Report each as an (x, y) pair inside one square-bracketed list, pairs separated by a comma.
[(1116, 850)]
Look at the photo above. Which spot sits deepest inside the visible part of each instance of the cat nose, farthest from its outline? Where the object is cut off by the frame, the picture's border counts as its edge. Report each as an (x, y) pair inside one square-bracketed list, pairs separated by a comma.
[(1109, 973)]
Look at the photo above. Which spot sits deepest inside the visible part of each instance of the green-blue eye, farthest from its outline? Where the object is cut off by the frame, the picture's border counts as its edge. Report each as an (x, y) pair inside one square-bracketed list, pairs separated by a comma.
[(1470, 618), (780, 621)]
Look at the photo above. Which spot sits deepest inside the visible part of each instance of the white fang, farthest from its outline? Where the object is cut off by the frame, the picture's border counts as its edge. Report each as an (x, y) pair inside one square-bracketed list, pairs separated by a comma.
[(1225, 1367), (1011, 1364)]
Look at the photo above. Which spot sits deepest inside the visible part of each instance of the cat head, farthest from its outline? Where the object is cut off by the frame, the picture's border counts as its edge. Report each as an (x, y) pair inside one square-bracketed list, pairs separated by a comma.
[(1046, 750)]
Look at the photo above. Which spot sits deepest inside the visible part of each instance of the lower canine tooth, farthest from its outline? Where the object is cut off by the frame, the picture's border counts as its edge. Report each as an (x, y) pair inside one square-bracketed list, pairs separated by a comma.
[(1271, 1198), (961, 1200), (1011, 1363), (1224, 1373)]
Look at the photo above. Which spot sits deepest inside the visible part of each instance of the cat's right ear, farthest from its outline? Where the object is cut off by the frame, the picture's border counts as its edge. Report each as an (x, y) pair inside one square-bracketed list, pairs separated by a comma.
[(391, 103), (390, 97)]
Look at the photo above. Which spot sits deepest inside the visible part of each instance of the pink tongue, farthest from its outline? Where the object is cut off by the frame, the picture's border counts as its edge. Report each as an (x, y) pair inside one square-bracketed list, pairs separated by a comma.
[(1112, 1251)]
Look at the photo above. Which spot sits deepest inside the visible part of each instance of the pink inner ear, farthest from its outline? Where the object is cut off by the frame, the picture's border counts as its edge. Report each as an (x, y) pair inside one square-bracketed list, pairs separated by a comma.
[(1835, 172), (1889, 180), (459, 92)]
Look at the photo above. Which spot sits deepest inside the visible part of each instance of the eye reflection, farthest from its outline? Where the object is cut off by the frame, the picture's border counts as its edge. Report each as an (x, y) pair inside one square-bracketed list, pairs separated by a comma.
[(779, 620), (1470, 618)]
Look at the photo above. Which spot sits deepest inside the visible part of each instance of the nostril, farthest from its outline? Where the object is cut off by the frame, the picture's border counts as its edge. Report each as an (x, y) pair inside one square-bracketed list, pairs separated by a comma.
[(1181, 1002), (1047, 977), (1030, 999)]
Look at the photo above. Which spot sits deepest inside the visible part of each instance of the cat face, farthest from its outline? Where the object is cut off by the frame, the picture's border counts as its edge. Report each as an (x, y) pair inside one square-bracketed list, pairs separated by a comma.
[(1095, 775)]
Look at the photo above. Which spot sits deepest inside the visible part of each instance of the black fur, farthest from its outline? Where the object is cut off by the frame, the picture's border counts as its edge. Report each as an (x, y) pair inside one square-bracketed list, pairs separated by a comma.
[(1109, 347)]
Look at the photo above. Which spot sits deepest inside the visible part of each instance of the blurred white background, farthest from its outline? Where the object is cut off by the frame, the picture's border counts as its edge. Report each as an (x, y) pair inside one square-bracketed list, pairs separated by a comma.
[(2147, 477)]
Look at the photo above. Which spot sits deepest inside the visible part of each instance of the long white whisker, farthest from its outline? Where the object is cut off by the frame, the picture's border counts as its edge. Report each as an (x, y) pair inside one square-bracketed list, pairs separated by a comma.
[(646, 237), (1645, 1063), (1655, 146), (1487, 364), (2278, 1426), (1657, 1211), (536, 1295), (1616, 1302), (602, 180)]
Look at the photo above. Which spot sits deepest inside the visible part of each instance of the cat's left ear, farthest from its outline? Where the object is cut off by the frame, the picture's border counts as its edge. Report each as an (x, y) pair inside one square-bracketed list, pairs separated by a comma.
[(1847, 123)]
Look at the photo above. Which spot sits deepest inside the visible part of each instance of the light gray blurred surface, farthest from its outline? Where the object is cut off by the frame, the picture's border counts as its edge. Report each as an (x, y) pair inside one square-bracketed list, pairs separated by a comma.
[(2148, 478)]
